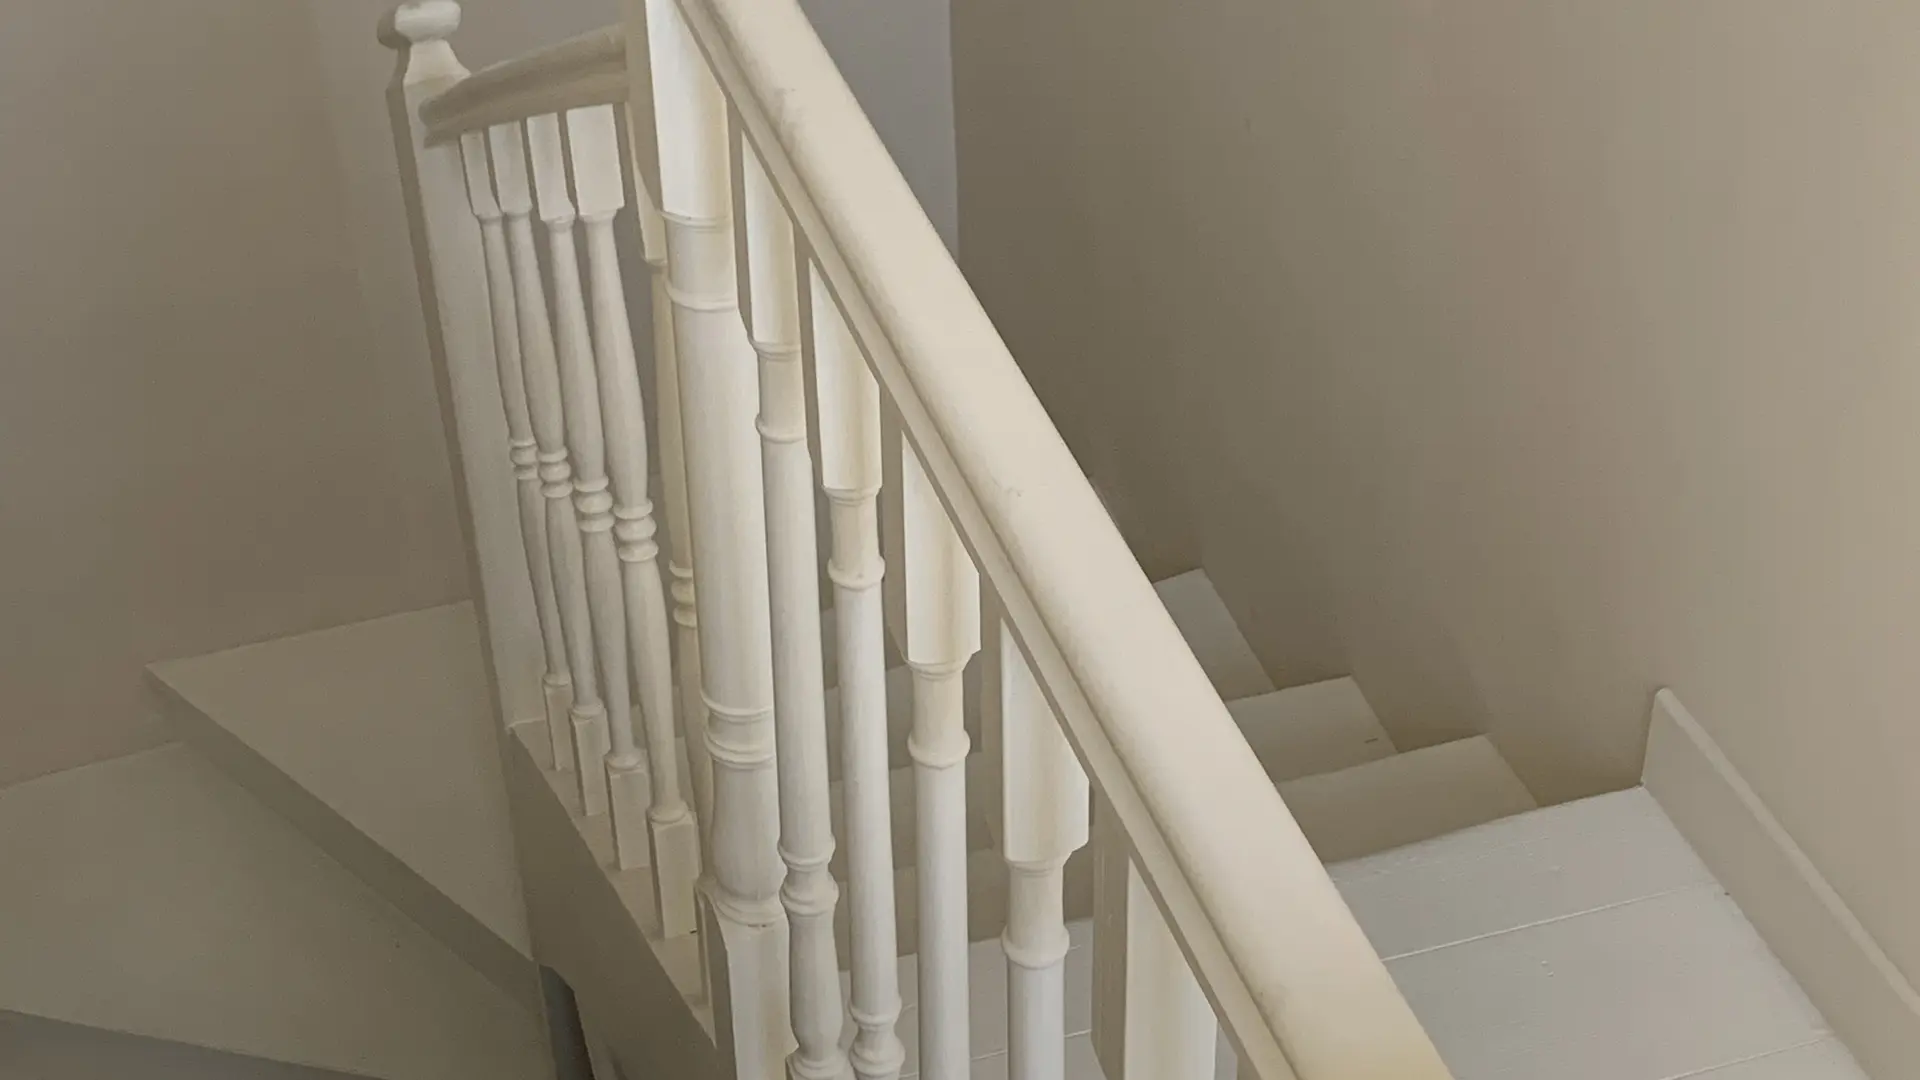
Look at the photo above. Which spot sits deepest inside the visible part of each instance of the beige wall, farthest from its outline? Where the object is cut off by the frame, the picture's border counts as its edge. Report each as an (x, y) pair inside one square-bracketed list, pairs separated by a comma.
[(1517, 358), (198, 444)]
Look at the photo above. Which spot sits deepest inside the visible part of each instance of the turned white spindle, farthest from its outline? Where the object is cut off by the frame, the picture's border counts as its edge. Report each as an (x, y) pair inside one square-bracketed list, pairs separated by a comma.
[(557, 685), (850, 471), (744, 926), (673, 838), (623, 769), (644, 169), (943, 633), (1169, 1027), (540, 365), (799, 677), (1045, 808)]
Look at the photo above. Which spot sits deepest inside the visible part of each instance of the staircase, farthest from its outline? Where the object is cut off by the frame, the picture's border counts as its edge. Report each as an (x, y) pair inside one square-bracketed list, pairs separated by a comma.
[(1006, 808), (303, 903)]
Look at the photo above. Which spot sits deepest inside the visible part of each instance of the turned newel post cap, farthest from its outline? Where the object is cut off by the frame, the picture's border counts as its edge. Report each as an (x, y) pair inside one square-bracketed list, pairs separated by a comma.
[(424, 21)]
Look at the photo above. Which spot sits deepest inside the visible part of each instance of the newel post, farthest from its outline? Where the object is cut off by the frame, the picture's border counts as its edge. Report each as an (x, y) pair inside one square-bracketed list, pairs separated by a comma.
[(449, 266)]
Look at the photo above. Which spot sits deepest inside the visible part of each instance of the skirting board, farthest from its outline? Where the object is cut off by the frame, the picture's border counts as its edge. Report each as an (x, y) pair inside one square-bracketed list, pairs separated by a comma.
[(1870, 1003)]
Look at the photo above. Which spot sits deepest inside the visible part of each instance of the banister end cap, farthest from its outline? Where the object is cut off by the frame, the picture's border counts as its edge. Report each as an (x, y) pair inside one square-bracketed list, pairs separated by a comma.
[(424, 21)]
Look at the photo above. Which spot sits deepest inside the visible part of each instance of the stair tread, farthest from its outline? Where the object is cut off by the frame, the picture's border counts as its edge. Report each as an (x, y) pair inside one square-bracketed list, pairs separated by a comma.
[(376, 739), (1212, 634), (1585, 942), (151, 895), (1536, 866), (1661, 987), (1405, 798), (1317, 728)]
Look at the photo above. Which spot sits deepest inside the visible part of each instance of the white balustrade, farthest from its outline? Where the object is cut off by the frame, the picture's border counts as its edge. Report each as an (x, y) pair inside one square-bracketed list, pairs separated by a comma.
[(799, 684), (623, 770), (1085, 666), (943, 633), (558, 683), (673, 838), (1046, 807), (745, 926), (850, 469)]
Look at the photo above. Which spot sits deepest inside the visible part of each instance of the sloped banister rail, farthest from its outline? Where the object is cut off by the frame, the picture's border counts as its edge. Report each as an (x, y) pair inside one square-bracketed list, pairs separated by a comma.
[(582, 71), (1293, 978)]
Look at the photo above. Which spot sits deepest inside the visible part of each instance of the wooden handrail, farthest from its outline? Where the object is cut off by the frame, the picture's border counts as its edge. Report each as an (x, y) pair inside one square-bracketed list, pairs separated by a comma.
[(590, 69), (1296, 983)]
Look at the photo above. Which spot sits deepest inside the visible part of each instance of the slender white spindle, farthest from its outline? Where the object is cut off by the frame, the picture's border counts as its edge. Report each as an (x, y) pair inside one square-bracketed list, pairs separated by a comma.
[(744, 926), (541, 366), (1045, 810), (1170, 1027), (673, 844), (1150, 1017), (943, 633), (625, 774), (558, 682), (450, 266), (850, 471), (686, 608), (799, 677), (645, 171)]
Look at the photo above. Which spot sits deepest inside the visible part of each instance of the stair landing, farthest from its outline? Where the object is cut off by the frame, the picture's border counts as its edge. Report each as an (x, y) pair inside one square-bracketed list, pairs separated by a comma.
[(376, 740)]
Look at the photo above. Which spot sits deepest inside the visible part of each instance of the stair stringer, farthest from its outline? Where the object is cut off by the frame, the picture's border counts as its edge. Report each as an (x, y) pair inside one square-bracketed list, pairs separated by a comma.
[(596, 928)]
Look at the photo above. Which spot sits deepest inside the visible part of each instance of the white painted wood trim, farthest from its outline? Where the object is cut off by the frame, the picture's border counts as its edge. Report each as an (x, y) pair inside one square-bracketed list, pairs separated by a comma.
[(587, 70), (1870, 1003)]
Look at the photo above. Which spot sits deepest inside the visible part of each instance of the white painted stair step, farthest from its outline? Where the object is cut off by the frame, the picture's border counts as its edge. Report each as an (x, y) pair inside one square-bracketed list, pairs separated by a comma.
[(1317, 728), (152, 895), (1405, 798), (1213, 636), (1585, 942), (375, 739)]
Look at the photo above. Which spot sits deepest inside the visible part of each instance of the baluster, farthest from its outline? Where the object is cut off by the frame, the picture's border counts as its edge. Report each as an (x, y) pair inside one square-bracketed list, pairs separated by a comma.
[(744, 926), (1046, 817), (450, 265), (557, 685), (644, 145), (850, 465), (542, 370), (686, 612), (799, 678), (1168, 1025), (673, 836), (624, 773), (943, 633)]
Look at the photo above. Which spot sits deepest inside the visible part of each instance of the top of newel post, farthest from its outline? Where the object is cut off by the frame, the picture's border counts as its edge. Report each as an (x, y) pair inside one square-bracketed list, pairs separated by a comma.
[(423, 21), (423, 27)]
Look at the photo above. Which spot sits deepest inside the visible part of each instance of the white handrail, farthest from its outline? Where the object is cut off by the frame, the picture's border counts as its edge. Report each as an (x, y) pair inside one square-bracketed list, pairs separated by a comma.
[(1297, 984), (590, 69)]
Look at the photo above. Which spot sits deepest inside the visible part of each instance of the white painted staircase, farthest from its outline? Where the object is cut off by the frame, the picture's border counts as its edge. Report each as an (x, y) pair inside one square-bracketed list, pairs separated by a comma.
[(358, 910)]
